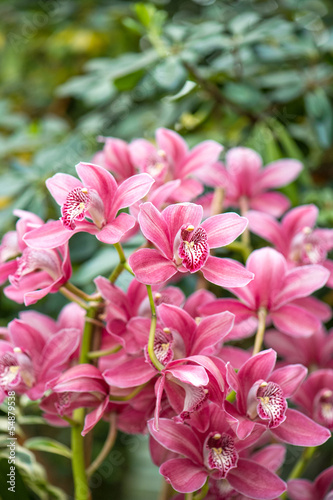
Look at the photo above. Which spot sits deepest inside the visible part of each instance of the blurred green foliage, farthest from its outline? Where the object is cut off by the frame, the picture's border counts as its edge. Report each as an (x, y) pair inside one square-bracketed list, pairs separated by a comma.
[(256, 73)]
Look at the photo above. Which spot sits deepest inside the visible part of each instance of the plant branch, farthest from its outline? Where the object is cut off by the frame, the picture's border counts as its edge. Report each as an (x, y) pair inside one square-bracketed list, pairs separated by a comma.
[(121, 265), (262, 313), (105, 352), (110, 440), (151, 340), (78, 458), (129, 396), (73, 298), (300, 466), (204, 490)]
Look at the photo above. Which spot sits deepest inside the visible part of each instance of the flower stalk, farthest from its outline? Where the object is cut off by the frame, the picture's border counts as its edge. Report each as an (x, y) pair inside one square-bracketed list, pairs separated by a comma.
[(151, 340), (262, 313)]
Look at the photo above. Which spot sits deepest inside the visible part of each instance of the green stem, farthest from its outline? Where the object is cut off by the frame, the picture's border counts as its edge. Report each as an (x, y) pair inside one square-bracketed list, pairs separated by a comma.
[(239, 246), (78, 460), (130, 395), (79, 293), (188, 496), (105, 352), (151, 340), (300, 466), (166, 491), (78, 466), (110, 440), (121, 266), (121, 253), (204, 490), (262, 313), (86, 338), (73, 298)]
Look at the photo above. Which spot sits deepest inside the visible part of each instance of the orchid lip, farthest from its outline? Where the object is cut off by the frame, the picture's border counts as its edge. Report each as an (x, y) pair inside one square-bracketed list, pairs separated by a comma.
[(193, 250), (220, 453), (82, 202)]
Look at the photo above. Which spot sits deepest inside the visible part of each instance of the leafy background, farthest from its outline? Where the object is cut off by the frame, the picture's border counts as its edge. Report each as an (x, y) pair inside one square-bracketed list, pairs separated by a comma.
[(245, 72)]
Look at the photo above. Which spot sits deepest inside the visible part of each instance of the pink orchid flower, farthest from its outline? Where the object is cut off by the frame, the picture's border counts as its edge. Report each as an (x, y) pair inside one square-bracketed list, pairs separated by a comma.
[(183, 244), (34, 272), (320, 489), (123, 308), (295, 236), (182, 346), (271, 457), (214, 453), (81, 386), (97, 198), (315, 351), (38, 350), (12, 244), (315, 396), (171, 160), (277, 289), (248, 184), (39, 272), (261, 396)]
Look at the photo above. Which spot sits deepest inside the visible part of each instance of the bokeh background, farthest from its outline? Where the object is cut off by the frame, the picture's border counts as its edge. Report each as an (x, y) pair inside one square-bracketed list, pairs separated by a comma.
[(245, 72)]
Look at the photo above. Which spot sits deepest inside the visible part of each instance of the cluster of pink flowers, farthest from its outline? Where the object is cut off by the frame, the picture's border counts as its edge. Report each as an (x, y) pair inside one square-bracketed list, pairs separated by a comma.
[(219, 415)]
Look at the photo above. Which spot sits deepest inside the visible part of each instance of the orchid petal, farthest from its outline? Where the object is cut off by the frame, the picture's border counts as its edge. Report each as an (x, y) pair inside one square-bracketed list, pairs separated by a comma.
[(298, 218), (289, 378), (134, 372), (279, 173), (155, 229), (244, 478), (99, 179), (295, 321), (204, 153), (212, 330), (301, 282), (272, 203), (131, 190), (150, 267), (226, 272), (172, 143), (300, 430), (178, 438), (60, 185), (223, 229), (113, 231), (183, 474), (182, 213), (53, 234)]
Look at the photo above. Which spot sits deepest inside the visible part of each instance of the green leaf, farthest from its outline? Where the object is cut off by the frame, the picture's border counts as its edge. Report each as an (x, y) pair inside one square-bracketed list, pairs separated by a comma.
[(320, 113), (272, 151), (32, 420), (245, 95), (170, 76), (49, 445), (145, 13), (242, 22), (20, 489), (287, 142)]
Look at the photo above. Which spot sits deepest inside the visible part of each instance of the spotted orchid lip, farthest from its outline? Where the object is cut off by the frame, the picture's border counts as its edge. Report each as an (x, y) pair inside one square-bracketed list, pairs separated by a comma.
[(221, 453), (272, 405), (75, 207), (194, 248), (80, 202)]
